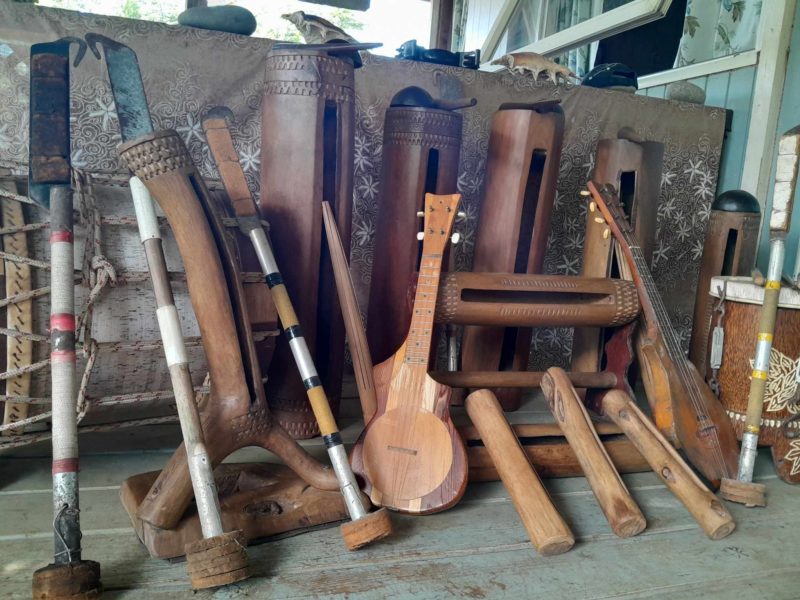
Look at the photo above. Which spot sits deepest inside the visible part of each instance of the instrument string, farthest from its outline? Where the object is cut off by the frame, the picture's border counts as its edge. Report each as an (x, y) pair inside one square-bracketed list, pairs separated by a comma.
[(669, 334)]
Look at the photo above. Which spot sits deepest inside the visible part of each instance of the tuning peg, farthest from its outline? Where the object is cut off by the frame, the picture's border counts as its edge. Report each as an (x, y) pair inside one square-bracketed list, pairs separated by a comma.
[(585, 193), (420, 235), (420, 214), (455, 238), (461, 215)]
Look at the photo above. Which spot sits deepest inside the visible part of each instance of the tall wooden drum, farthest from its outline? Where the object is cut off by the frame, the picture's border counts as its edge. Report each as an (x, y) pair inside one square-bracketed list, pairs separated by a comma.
[(737, 306)]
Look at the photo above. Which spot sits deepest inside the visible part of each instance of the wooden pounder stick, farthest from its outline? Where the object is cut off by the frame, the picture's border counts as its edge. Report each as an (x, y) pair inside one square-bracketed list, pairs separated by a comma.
[(704, 506), (548, 532), (623, 514)]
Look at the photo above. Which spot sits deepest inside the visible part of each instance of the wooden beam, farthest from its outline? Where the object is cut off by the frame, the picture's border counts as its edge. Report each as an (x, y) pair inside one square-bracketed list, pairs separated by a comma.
[(442, 24), (498, 28), (623, 18), (775, 30)]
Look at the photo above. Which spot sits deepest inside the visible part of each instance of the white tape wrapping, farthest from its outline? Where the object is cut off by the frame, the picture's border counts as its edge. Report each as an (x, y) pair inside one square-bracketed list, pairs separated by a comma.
[(171, 335), (145, 210)]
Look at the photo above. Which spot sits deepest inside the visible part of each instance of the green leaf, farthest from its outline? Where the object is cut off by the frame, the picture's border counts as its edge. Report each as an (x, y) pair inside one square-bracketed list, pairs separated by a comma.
[(691, 25), (738, 10), (723, 34)]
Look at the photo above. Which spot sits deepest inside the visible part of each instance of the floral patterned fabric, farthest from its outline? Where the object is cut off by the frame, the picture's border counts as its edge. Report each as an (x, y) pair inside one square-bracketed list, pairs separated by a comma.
[(186, 71), (714, 28)]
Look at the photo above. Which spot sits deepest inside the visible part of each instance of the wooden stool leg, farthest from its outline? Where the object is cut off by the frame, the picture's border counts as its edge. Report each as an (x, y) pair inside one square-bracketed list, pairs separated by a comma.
[(623, 514), (706, 509), (548, 532)]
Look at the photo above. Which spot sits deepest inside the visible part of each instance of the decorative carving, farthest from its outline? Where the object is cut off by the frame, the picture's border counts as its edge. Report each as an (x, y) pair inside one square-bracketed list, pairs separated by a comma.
[(156, 154)]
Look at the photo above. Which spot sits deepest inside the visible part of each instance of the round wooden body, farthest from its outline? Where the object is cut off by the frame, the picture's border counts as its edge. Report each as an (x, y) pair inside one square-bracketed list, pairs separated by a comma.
[(742, 308)]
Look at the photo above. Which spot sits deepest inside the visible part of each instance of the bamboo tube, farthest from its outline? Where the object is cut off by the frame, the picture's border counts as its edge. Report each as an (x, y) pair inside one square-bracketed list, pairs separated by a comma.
[(704, 506), (548, 532), (623, 514)]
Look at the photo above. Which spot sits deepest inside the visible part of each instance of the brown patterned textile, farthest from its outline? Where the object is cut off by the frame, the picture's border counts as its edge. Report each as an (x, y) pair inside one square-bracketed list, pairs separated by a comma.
[(186, 71)]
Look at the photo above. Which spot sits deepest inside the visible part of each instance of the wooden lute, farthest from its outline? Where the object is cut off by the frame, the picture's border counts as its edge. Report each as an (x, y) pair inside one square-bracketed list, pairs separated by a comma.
[(410, 454), (684, 408)]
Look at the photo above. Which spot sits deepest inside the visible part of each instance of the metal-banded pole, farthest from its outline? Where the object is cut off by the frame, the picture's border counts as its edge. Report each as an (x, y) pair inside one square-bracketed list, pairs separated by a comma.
[(305, 364), (742, 489), (364, 527), (758, 379), (200, 471), (66, 509)]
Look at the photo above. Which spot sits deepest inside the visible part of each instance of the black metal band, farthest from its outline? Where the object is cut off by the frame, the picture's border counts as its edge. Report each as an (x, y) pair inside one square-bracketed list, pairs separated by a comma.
[(293, 332), (274, 279), (332, 440), (312, 382)]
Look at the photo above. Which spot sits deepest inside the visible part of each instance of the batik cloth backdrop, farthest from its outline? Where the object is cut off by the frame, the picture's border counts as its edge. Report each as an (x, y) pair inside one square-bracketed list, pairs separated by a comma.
[(186, 71)]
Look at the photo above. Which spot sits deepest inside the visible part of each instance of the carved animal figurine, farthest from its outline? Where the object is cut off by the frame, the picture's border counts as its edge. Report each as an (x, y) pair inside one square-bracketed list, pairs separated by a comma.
[(316, 30), (530, 62)]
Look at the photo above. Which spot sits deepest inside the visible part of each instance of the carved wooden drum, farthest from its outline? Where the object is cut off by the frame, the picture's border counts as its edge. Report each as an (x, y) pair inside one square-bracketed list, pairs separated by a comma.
[(737, 308)]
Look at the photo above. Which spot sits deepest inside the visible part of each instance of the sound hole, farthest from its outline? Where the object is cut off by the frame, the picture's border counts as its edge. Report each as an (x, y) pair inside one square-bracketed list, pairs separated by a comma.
[(431, 179), (627, 192), (529, 204), (530, 297), (326, 304), (730, 252)]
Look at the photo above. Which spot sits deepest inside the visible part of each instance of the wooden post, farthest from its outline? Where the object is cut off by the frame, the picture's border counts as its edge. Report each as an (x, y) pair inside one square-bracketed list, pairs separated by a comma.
[(441, 24), (623, 514), (548, 532), (706, 509)]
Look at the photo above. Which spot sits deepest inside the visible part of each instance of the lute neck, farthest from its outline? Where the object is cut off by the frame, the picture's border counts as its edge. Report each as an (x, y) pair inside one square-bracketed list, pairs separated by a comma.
[(654, 309), (418, 340)]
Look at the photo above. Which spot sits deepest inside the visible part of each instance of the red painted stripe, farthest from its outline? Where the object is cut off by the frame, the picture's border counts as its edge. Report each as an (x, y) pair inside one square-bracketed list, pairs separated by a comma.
[(60, 236), (62, 322), (65, 465), (62, 356)]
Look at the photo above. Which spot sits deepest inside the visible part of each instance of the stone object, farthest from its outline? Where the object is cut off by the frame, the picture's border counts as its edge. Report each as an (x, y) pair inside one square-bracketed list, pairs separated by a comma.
[(232, 19)]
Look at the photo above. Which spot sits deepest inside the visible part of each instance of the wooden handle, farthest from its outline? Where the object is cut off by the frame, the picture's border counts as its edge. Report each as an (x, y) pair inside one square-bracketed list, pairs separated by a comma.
[(706, 509), (548, 532), (356, 336), (623, 514)]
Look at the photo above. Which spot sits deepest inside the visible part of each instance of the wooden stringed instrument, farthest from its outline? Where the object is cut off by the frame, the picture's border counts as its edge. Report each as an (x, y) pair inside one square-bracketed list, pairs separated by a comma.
[(684, 408), (410, 454)]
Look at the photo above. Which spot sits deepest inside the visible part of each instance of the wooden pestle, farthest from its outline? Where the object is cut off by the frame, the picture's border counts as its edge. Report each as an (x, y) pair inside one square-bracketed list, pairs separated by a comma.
[(623, 514), (704, 506), (548, 532)]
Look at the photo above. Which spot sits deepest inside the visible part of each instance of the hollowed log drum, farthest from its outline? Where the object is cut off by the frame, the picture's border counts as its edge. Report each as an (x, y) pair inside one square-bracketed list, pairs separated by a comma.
[(738, 317)]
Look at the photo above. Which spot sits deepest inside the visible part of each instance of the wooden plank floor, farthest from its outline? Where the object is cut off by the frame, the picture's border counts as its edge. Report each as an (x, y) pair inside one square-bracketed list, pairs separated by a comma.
[(478, 549)]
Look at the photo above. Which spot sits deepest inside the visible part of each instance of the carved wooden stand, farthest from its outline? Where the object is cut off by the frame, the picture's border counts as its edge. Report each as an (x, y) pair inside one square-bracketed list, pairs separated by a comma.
[(237, 414), (521, 173), (633, 167), (420, 155), (307, 157), (729, 249)]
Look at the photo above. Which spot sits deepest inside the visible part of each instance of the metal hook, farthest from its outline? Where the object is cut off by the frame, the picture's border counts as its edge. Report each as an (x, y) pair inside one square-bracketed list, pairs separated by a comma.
[(81, 47), (220, 112), (95, 39), (61, 47)]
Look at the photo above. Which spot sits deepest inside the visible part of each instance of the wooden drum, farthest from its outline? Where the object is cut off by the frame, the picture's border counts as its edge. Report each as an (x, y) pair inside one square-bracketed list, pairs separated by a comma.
[(738, 316)]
